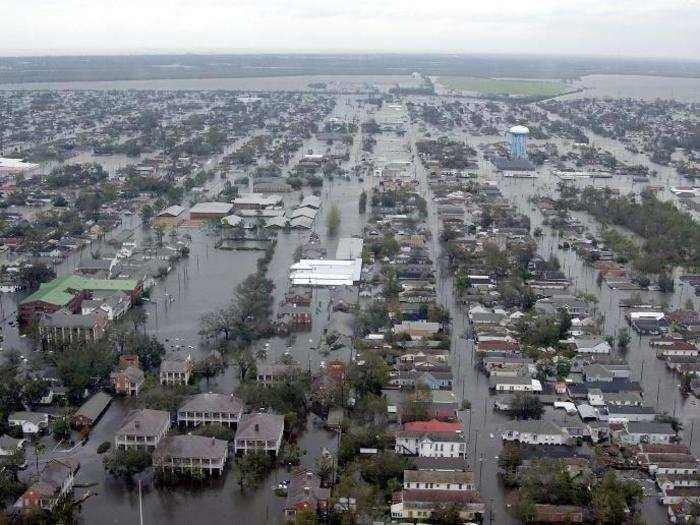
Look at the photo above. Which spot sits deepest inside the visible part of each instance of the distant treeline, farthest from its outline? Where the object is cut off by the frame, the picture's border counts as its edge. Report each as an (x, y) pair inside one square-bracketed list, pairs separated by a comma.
[(147, 67)]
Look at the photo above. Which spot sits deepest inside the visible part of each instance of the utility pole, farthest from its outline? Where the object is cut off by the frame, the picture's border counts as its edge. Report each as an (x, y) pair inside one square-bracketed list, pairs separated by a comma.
[(692, 427), (140, 505)]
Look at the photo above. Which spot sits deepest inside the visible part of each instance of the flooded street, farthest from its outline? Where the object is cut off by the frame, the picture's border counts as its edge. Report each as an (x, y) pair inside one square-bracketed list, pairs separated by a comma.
[(205, 280)]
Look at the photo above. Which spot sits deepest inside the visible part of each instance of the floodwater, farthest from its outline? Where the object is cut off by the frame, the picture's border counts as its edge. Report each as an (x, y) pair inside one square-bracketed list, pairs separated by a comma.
[(638, 86), (204, 281), (287, 83), (614, 86)]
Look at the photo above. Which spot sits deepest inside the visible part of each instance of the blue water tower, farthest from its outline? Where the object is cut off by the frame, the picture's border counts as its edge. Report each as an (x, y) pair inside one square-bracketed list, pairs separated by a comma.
[(517, 137)]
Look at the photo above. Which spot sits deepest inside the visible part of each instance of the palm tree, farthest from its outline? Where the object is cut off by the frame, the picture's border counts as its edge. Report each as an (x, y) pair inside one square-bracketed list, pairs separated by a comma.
[(261, 354)]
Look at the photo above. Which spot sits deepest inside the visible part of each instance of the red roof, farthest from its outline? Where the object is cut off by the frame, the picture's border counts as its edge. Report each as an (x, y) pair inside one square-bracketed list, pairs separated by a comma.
[(496, 345), (432, 426)]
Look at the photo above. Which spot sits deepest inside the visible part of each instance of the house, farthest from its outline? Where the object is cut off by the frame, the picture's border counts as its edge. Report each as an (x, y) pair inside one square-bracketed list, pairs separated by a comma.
[(637, 432), (605, 372), (191, 453), (591, 346), (515, 384), (67, 327), (128, 378), (647, 322), (257, 201), (88, 414), (170, 217), (674, 346), (203, 211), (681, 494), (10, 445), (573, 305), (293, 318), (114, 305), (31, 422), (204, 409), (142, 429), (431, 439), (625, 413), (69, 292), (595, 397), (175, 372), (558, 514), (54, 483), (438, 480), (535, 432), (420, 504), (305, 493), (687, 322), (417, 329), (301, 223), (259, 432), (277, 372)]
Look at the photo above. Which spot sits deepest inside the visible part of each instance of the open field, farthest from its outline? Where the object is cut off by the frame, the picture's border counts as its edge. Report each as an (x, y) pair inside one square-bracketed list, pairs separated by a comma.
[(495, 86)]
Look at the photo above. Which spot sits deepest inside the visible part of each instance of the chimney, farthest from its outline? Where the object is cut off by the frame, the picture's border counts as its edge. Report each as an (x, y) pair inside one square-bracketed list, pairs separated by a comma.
[(307, 490), (257, 427), (137, 424), (213, 441), (309, 474)]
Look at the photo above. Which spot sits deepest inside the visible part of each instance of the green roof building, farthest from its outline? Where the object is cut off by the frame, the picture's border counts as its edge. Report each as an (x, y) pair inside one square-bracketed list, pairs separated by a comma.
[(68, 292)]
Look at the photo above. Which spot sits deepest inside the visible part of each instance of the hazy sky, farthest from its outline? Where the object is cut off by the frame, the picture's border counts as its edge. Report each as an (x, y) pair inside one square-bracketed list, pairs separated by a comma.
[(661, 28)]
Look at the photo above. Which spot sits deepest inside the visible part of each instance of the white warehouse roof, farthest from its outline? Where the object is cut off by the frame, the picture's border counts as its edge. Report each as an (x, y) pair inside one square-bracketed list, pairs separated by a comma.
[(325, 272)]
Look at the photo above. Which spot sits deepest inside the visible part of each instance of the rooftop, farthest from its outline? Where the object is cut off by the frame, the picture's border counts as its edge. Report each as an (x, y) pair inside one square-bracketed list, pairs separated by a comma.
[(60, 291)]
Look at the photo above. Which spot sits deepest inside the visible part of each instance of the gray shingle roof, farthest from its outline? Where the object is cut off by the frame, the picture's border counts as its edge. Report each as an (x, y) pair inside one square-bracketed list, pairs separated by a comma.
[(209, 402), (269, 427), (144, 422), (189, 446)]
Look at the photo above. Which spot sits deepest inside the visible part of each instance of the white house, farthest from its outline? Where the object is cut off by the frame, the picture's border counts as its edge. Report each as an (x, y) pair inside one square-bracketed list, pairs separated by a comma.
[(433, 438), (637, 432), (515, 384), (225, 409), (438, 480), (592, 346), (31, 422), (595, 397), (533, 432)]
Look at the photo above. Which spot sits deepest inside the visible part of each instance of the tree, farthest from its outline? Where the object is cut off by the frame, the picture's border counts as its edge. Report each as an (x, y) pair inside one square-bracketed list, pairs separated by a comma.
[(149, 350), (252, 468), (611, 497), (147, 214), (60, 428), (623, 338), (126, 463), (370, 376), (666, 284), (511, 457), (447, 515), (306, 517), (526, 406), (333, 221), (32, 276), (564, 323), (39, 449), (82, 364), (160, 233), (363, 202), (325, 467)]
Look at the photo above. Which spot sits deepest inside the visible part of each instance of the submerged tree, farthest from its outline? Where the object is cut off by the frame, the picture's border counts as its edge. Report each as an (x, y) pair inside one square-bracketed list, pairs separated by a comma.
[(333, 221)]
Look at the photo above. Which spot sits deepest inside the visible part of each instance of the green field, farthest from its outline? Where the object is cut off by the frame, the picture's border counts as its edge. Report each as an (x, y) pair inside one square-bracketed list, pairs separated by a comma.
[(514, 88)]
